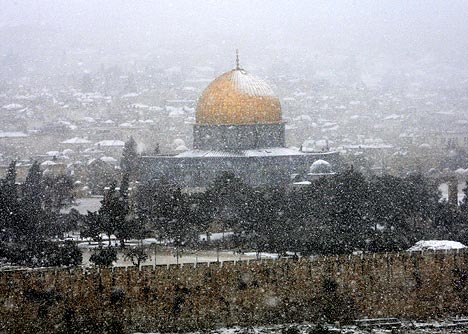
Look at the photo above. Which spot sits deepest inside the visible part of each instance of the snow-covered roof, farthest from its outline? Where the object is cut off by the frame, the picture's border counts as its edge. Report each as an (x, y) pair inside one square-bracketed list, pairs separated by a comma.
[(92, 150), (264, 152), (108, 159), (129, 95), (106, 143), (53, 153), (302, 183), (436, 245), (89, 119), (76, 140), (48, 163), (12, 134), (12, 106), (375, 146), (320, 166), (140, 106), (461, 171), (392, 116)]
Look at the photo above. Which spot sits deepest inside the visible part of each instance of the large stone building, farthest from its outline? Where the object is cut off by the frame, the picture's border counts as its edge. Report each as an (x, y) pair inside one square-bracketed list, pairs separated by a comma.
[(239, 128)]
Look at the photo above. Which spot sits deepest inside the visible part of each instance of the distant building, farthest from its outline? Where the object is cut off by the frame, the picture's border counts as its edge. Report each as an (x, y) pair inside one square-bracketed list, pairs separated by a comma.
[(238, 128)]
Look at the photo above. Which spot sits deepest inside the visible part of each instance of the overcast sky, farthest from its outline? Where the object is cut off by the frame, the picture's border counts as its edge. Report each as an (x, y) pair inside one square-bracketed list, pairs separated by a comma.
[(364, 27)]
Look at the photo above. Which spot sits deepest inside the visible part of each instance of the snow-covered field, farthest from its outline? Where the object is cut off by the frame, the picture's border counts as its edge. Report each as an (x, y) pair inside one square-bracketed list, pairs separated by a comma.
[(161, 254), (169, 256)]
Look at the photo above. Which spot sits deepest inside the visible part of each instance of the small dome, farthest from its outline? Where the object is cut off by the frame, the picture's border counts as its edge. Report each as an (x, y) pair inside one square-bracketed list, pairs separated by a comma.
[(181, 148), (320, 167), (425, 145), (238, 98), (67, 151), (178, 142), (108, 159), (48, 163)]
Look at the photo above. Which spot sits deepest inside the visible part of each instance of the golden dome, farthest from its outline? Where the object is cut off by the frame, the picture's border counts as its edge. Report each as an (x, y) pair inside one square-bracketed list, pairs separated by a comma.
[(238, 98)]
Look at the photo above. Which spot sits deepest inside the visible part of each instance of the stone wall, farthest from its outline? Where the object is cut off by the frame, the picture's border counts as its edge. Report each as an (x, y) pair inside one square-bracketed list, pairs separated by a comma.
[(416, 285)]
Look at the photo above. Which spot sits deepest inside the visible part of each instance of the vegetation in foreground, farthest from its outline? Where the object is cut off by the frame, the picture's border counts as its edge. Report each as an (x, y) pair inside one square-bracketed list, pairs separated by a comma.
[(337, 214)]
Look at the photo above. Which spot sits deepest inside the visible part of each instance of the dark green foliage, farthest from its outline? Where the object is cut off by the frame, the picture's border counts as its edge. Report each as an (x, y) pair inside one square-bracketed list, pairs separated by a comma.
[(334, 215), (58, 192), (100, 175), (169, 212), (66, 254), (136, 255), (103, 257), (29, 218), (290, 330), (42, 253), (91, 227), (130, 158), (114, 217), (319, 329)]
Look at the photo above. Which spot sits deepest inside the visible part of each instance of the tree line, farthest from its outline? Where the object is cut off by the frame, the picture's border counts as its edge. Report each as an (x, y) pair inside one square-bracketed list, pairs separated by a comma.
[(30, 219), (337, 214)]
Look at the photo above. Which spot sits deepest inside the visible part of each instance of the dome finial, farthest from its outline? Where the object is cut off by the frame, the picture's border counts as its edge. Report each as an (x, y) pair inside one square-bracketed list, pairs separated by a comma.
[(237, 60)]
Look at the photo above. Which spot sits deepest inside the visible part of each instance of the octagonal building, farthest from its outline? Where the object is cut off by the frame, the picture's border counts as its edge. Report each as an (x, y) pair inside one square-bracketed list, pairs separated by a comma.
[(238, 128)]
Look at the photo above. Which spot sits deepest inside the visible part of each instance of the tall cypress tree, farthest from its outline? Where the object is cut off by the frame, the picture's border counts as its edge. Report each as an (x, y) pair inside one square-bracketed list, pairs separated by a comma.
[(126, 226), (130, 159), (31, 224), (8, 201), (108, 213)]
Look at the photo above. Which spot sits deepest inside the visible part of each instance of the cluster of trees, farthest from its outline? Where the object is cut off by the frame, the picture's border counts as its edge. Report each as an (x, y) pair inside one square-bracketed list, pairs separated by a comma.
[(116, 217), (339, 214), (30, 218), (334, 215)]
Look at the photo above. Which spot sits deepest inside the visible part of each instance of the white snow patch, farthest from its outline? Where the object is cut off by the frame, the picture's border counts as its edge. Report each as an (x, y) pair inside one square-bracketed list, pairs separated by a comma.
[(436, 245)]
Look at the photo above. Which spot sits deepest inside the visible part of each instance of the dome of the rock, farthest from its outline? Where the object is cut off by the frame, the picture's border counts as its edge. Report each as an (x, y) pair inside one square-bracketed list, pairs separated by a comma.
[(238, 98)]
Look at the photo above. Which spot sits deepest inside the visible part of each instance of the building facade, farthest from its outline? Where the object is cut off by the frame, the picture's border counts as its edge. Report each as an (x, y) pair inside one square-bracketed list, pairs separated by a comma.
[(239, 129)]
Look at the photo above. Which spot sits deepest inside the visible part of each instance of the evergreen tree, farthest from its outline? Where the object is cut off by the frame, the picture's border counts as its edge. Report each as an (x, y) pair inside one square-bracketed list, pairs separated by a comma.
[(32, 190), (130, 158), (92, 227), (8, 202), (31, 223), (179, 227), (127, 226), (464, 202), (110, 212), (226, 199), (58, 192), (104, 257)]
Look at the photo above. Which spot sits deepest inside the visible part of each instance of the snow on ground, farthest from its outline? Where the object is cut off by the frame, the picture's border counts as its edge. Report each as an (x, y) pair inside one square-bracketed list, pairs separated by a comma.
[(443, 188), (407, 328), (85, 204), (423, 245), (215, 236), (166, 255)]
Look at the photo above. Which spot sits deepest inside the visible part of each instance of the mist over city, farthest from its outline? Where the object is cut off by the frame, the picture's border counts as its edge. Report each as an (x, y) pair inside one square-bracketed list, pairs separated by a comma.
[(233, 166)]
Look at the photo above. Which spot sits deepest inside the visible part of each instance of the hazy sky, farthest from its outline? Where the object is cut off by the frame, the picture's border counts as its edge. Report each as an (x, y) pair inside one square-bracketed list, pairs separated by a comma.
[(368, 27)]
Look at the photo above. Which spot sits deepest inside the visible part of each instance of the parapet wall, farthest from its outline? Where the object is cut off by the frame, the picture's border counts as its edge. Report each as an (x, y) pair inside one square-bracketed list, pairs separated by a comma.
[(407, 285)]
